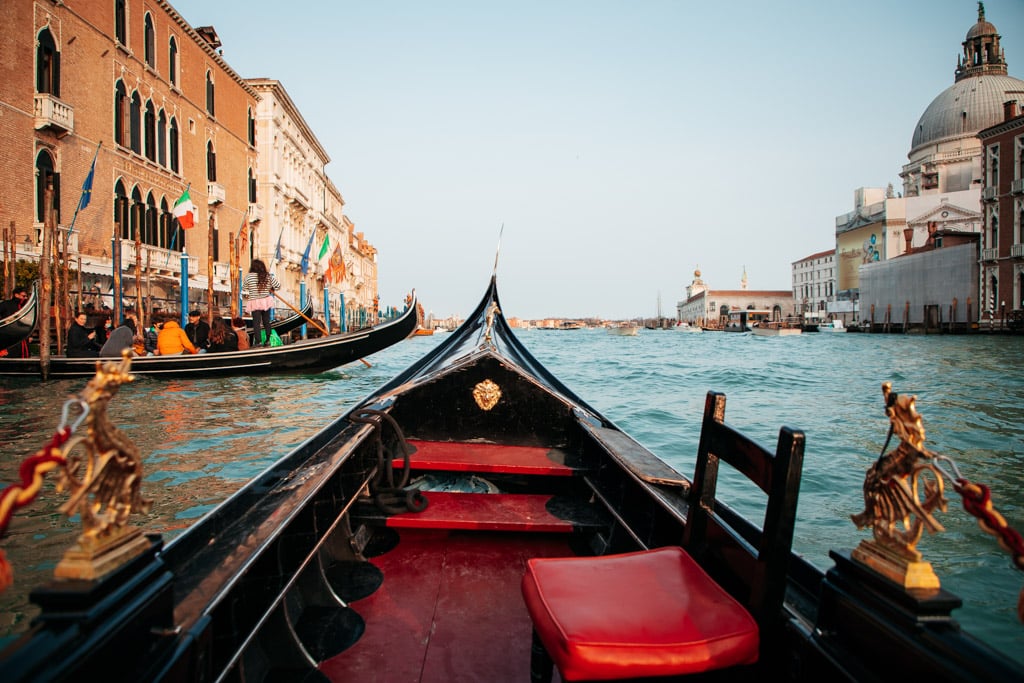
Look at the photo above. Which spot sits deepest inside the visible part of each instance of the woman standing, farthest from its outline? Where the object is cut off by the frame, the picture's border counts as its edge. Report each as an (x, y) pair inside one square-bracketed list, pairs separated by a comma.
[(258, 290)]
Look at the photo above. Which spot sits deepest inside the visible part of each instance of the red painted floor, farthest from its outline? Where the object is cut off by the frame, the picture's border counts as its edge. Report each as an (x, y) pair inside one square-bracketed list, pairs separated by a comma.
[(450, 609)]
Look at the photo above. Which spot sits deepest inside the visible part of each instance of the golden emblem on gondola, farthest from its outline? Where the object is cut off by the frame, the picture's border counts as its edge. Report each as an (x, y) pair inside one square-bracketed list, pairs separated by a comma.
[(486, 394)]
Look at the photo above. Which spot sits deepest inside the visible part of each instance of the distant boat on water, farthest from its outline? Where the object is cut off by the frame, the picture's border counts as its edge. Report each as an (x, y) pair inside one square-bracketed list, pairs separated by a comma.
[(623, 330)]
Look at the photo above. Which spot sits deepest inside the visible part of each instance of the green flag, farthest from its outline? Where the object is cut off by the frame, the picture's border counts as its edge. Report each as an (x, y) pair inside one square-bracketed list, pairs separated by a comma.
[(323, 249)]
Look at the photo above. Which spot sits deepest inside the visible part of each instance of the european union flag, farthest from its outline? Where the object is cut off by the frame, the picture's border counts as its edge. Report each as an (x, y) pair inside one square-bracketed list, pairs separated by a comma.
[(87, 187)]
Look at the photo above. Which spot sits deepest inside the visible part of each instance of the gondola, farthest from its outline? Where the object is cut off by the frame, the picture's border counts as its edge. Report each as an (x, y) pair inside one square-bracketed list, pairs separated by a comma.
[(17, 327), (304, 355), (475, 520)]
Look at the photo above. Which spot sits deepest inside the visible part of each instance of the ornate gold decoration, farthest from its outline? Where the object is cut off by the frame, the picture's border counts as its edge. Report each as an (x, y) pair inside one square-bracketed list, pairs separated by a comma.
[(492, 314), (901, 490), (103, 474), (486, 394)]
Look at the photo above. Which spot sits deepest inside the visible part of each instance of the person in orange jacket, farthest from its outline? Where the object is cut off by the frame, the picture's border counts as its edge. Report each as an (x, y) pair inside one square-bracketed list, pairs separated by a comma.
[(172, 340)]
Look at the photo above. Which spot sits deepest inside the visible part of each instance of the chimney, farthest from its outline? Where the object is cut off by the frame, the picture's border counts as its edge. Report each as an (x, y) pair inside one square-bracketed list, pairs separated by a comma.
[(1010, 110), (908, 235)]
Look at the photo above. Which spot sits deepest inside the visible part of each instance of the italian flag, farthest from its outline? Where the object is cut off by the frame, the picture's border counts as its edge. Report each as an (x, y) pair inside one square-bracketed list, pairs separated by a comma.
[(185, 210)]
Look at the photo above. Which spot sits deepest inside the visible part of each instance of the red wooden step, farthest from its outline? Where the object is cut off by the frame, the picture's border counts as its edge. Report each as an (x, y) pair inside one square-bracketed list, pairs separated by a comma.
[(485, 457), (493, 511)]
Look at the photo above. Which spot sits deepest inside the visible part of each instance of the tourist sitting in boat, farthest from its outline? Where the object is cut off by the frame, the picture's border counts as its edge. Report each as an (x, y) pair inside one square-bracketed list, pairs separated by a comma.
[(198, 331), (173, 341), (81, 339), (222, 338), (241, 333), (123, 337), (8, 308)]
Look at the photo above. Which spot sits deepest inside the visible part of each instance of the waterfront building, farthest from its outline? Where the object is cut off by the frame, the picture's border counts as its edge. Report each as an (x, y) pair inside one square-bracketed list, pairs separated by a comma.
[(942, 183), (302, 210), (1002, 251), (814, 280), (706, 307), (133, 86)]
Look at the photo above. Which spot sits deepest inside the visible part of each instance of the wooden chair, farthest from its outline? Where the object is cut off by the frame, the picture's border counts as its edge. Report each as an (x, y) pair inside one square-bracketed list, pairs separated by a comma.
[(659, 612)]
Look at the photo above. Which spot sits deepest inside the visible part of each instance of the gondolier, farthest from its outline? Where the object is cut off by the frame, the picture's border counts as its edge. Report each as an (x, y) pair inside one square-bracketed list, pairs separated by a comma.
[(258, 290)]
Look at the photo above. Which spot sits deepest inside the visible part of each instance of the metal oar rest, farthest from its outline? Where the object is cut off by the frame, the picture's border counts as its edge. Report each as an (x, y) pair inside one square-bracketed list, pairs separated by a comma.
[(711, 604)]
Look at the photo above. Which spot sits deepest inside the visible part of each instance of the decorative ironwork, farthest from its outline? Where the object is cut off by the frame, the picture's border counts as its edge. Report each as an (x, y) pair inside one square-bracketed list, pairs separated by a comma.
[(486, 394)]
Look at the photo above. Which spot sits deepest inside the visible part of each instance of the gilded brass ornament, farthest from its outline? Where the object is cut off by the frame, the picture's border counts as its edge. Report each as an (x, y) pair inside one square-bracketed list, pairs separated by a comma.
[(486, 394), (901, 490), (103, 475)]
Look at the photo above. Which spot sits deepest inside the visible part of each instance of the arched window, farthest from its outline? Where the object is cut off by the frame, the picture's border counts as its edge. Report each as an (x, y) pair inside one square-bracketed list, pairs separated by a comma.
[(120, 114), (149, 233), (164, 228), (172, 61), (150, 138), (120, 22), (252, 127), (161, 138), (172, 142), (209, 94), (211, 163), (149, 42), (47, 65), (136, 214), (121, 209), (252, 187), (993, 241), (46, 174), (135, 123)]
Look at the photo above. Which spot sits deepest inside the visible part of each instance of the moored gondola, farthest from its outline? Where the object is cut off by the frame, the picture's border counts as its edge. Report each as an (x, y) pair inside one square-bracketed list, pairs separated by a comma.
[(474, 519), (306, 355), (18, 326)]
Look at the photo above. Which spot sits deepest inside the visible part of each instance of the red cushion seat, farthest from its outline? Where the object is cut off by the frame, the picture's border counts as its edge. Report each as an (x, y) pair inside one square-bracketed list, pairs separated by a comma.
[(648, 613)]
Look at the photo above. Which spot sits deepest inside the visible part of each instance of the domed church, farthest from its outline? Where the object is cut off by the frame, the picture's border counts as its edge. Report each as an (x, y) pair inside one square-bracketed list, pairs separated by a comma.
[(945, 153)]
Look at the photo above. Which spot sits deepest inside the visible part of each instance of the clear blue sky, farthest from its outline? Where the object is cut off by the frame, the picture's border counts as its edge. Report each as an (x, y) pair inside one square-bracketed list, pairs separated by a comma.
[(621, 144)]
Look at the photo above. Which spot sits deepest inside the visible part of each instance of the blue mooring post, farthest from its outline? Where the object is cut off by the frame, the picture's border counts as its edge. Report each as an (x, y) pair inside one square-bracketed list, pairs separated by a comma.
[(184, 288), (344, 318), (302, 305), (241, 305), (327, 309)]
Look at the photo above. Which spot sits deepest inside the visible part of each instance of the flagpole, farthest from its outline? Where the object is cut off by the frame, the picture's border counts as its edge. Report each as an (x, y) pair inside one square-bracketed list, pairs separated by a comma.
[(88, 181)]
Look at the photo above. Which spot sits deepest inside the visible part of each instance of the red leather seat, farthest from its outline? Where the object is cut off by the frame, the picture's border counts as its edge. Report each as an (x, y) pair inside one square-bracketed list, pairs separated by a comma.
[(648, 613)]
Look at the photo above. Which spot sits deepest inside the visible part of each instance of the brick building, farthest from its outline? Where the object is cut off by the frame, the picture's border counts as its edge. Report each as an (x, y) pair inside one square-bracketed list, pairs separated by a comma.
[(1002, 252), (152, 94)]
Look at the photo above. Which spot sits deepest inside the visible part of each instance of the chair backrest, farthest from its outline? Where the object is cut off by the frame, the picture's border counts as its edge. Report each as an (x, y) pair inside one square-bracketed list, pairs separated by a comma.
[(752, 568)]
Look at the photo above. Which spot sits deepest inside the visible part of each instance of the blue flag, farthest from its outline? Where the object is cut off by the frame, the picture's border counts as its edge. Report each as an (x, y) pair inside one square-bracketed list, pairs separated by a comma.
[(87, 186), (305, 254)]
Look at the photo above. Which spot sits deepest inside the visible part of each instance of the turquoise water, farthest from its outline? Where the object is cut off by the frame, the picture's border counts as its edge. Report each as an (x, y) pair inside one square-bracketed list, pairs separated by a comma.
[(202, 439)]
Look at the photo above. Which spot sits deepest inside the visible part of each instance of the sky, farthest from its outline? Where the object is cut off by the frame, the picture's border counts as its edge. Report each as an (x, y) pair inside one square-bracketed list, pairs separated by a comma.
[(615, 147)]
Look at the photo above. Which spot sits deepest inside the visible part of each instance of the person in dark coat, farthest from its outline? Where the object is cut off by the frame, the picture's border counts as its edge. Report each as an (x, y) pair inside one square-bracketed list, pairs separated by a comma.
[(222, 337), (81, 339), (198, 331), (9, 308)]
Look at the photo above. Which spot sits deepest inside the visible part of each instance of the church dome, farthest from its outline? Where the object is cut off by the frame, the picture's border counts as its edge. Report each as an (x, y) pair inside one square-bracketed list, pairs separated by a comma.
[(975, 100), (966, 107)]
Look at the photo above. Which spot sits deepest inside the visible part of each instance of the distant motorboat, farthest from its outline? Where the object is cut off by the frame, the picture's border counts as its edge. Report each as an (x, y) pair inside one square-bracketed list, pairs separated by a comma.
[(775, 329), (623, 330), (832, 326), (687, 327)]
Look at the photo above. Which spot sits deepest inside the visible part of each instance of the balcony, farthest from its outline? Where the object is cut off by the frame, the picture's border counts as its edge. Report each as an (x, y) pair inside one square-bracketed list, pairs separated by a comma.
[(214, 194), (989, 254), (52, 113), (988, 194), (255, 213), (1018, 186), (1017, 251)]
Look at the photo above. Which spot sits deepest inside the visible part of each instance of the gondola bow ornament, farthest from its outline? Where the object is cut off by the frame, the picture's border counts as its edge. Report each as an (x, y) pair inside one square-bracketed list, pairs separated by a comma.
[(102, 472), (901, 491)]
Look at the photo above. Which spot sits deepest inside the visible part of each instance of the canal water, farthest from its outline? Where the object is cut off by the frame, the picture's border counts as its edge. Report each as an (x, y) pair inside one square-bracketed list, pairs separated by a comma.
[(203, 439)]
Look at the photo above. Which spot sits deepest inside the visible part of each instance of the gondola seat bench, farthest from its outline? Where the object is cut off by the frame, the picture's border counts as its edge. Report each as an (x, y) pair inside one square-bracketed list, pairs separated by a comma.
[(658, 612)]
